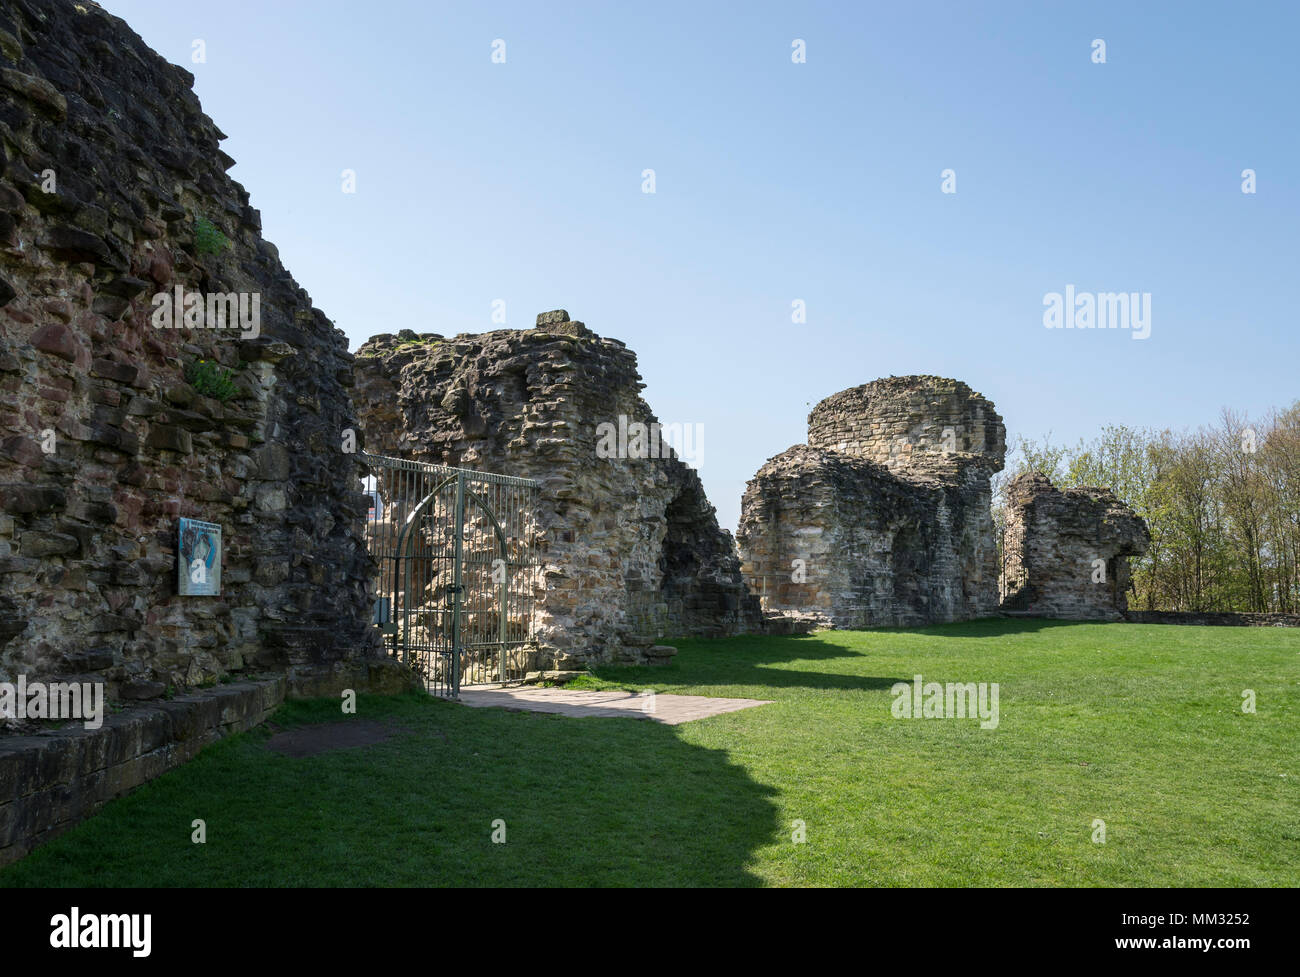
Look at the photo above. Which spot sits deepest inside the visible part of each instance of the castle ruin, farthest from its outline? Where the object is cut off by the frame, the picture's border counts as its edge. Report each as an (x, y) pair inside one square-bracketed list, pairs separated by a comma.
[(885, 516), (630, 546), (114, 192), (1067, 552), (115, 425), (104, 441)]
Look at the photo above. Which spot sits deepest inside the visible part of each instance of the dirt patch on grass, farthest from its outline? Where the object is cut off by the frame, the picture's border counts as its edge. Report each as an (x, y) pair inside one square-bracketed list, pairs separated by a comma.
[(301, 741)]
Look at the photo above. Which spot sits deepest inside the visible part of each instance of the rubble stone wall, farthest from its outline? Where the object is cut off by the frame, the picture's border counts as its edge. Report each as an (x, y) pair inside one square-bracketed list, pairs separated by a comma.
[(1067, 552), (630, 546), (1214, 619), (113, 189)]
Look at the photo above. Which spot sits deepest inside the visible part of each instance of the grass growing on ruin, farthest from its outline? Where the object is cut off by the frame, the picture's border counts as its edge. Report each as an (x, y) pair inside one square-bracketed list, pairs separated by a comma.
[(1138, 725), (208, 238), (209, 379)]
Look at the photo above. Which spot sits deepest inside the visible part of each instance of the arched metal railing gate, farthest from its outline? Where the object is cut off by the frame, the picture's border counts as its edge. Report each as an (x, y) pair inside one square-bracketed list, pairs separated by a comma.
[(456, 571)]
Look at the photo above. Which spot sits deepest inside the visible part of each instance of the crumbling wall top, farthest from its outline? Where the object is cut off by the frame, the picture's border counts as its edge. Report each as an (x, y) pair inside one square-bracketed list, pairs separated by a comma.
[(910, 422), (1093, 514)]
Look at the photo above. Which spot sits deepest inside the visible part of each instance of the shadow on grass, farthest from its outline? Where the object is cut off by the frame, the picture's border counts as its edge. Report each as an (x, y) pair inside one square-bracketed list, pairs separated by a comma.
[(582, 802), (987, 627), (748, 660)]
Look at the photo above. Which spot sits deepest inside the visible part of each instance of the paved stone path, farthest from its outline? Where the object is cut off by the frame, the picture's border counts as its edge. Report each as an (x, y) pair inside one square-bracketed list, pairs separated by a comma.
[(663, 708)]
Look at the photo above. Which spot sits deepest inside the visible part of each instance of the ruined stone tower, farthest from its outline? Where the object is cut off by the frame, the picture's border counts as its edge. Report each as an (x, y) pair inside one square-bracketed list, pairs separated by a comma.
[(885, 516), (1067, 552), (630, 545)]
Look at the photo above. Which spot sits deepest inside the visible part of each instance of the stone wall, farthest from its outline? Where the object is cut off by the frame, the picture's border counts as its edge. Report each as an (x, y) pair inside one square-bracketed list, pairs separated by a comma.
[(885, 517), (1066, 553), (630, 546), (113, 189), (1214, 619), (57, 778)]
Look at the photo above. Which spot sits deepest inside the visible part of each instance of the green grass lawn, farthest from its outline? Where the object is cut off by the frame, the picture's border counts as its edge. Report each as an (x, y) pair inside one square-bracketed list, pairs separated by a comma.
[(1138, 725)]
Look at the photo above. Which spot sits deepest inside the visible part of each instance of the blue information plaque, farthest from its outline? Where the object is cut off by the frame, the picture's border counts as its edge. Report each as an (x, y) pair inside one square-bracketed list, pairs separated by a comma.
[(199, 563)]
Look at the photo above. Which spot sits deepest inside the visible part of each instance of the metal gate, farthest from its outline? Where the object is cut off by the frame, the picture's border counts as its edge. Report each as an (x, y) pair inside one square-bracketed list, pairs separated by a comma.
[(456, 570)]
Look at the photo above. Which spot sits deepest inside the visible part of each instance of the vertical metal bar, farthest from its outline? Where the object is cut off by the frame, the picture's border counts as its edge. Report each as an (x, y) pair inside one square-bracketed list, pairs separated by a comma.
[(404, 481), (457, 578), (503, 597)]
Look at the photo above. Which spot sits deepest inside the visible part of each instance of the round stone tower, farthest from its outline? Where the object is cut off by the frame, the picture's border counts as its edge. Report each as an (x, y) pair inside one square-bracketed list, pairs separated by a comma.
[(885, 516), (906, 422)]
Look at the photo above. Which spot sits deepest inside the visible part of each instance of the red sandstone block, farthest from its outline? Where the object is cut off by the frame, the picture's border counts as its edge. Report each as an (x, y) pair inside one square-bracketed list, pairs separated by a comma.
[(57, 340)]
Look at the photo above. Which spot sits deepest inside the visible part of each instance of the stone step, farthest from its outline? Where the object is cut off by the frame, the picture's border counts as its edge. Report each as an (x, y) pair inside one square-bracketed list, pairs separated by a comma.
[(776, 622), (559, 676)]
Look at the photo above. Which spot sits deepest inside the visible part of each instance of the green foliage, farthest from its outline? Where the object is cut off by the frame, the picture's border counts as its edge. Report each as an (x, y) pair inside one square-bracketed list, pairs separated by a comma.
[(1222, 504), (1045, 457), (1127, 723), (418, 342), (211, 380), (208, 238), (409, 337)]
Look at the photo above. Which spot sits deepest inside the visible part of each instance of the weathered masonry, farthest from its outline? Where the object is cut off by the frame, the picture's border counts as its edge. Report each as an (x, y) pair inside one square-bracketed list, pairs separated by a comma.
[(630, 548), (885, 516), (1067, 552), (113, 190), (105, 443)]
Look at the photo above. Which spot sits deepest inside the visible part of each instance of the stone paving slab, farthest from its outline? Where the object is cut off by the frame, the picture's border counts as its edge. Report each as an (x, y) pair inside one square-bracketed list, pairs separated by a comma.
[(668, 709)]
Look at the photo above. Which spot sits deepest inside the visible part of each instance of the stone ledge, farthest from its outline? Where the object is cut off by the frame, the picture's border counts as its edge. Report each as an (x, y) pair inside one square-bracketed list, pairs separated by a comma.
[(1219, 619), (380, 676), (558, 676), (51, 781)]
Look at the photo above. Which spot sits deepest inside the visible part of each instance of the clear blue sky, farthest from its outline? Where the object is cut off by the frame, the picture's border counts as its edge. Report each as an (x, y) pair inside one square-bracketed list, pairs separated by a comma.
[(779, 181)]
